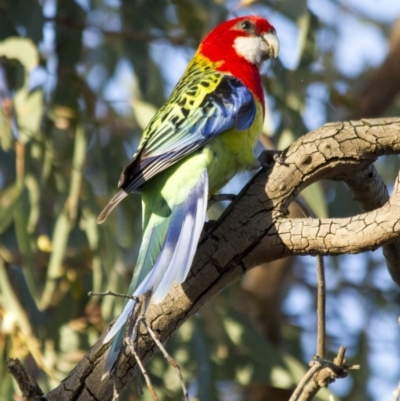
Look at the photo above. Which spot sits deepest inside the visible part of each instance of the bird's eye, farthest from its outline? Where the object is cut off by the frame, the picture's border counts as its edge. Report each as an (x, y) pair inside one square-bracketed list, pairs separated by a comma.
[(246, 25)]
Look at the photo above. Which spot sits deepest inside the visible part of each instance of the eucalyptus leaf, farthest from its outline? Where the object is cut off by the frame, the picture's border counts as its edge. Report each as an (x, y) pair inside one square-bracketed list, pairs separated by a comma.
[(9, 198), (5, 131), (21, 49), (143, 112), (315, 198), (29, 110), (55, 269)]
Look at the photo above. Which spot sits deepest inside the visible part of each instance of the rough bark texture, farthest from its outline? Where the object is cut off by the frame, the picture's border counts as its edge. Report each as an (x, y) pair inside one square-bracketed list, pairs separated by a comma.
[(254, 230)]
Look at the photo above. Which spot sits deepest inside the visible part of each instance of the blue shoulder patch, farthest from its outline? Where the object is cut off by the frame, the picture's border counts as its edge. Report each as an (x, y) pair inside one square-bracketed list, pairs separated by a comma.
[(235, 104)]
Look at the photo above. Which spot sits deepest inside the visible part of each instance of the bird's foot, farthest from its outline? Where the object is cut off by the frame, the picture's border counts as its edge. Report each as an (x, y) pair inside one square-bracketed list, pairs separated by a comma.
[(270, 156)]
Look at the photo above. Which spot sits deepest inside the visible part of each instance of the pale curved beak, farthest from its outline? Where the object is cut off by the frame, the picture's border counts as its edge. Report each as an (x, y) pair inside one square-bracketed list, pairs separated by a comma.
[(273, 43)]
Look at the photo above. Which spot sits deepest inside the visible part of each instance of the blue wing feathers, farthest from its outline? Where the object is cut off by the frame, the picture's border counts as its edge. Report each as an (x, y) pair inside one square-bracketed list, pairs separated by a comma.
[(245, 115)]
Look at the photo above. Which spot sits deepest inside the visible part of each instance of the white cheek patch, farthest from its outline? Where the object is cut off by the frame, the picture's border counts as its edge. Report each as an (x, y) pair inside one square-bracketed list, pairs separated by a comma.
[(252, 48)]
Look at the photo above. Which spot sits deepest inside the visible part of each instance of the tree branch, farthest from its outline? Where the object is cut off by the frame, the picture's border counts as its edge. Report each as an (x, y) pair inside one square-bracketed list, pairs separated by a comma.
[(253, 230), (321, 374), (29, 388)]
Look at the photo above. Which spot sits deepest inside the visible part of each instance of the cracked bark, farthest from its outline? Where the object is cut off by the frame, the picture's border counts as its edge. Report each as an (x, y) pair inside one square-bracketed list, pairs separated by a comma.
[(254, 230)]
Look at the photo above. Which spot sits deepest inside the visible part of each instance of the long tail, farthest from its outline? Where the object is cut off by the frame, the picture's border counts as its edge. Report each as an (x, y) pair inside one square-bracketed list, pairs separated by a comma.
[(172, 264)]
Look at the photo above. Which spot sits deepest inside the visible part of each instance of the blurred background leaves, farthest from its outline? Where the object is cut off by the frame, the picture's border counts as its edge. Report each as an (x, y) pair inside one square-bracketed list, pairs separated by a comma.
[(78, 82)]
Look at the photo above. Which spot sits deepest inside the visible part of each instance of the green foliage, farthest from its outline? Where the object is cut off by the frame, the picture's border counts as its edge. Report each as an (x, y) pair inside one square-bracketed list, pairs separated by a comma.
[(81, 83)]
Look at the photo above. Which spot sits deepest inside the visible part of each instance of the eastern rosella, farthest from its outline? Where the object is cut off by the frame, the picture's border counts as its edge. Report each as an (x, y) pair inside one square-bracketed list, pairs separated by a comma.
[(203, 135)]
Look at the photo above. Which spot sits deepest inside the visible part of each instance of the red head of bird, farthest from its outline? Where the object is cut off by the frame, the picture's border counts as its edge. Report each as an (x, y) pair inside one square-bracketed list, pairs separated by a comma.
[(239, 46)]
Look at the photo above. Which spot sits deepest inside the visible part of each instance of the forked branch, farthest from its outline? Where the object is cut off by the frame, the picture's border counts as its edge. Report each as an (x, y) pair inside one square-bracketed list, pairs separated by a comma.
[(254, 230)]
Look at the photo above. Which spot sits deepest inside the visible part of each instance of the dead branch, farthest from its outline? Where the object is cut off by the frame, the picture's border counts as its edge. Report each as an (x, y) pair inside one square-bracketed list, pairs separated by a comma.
[(29, 388), (321, 374)]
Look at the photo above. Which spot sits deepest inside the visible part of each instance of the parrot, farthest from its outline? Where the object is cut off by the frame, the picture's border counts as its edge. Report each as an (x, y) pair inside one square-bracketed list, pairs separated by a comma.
[(199, 139)]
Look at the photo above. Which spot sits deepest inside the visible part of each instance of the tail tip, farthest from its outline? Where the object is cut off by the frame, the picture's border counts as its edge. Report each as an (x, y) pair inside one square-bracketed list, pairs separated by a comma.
[(101, 217), (105, 376), (111, 205)]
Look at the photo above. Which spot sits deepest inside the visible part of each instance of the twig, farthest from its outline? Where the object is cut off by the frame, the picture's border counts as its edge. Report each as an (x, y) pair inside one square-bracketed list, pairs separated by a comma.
[(321, 373), (29, 388), (321, 298), (138, 360), (136, 318), (114, 294), (339, 359), (321, 288), (307, 377), (139, 385), (168, 357), (131, 340)]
